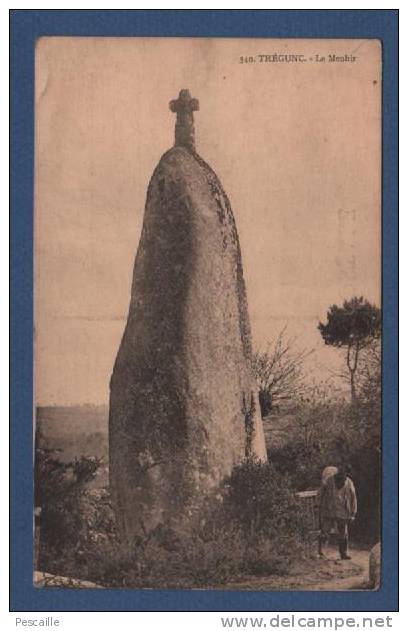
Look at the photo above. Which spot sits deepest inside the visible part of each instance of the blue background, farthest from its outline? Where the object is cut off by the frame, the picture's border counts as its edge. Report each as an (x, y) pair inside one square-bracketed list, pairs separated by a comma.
[(26, 26)]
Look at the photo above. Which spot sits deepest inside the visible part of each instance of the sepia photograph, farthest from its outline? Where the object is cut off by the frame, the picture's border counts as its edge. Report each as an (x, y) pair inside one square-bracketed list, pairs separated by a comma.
[(207, 314)]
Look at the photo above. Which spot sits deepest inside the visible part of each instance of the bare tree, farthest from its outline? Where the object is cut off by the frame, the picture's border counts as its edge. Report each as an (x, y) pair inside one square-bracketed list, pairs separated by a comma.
[(279, 372)]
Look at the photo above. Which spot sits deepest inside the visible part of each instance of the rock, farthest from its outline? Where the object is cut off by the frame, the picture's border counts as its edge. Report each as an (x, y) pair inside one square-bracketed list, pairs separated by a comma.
[(44, 579), (374, 568), (183, 406)]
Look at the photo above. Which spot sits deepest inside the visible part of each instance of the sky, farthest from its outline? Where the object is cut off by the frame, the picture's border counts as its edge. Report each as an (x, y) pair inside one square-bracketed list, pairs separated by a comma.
[(296, 146)]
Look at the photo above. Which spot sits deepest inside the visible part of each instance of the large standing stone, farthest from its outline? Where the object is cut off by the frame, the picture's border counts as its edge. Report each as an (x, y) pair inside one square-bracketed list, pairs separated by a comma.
[(183, 406)]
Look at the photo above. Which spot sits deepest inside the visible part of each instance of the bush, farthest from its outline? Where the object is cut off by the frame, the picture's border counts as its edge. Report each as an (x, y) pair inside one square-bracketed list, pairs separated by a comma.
[(260, 501), (302, 465), (251, 525), (71, 514), (345, 434), (196, 563)]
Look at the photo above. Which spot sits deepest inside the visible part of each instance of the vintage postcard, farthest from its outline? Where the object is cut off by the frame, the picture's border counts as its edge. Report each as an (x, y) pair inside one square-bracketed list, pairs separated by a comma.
[(207, 283)]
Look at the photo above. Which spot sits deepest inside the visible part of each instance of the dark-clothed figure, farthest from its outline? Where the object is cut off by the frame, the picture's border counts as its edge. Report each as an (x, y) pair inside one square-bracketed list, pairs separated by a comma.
[(338, 507)]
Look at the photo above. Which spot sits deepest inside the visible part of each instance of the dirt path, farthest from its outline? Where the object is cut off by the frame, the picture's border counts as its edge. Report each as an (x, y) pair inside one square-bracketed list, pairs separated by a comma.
[(329, 574), (359, 580)]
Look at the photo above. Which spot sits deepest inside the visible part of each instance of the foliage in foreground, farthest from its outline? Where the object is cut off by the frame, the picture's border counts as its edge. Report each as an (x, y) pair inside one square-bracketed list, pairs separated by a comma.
[(256, 529)]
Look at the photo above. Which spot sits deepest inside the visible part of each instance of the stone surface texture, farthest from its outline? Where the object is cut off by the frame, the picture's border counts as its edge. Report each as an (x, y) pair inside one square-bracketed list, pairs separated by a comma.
[(44, 579), (375, 567), (183, 406)]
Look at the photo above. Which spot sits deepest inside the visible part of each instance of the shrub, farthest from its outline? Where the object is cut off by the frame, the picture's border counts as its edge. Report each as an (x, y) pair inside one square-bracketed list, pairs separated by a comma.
[(150, 564), (346, 434), (71, 515), (250, 525), (261, 501)]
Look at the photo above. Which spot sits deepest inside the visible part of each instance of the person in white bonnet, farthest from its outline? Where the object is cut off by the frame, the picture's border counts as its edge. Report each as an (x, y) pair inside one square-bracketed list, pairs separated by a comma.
[(338, 507)]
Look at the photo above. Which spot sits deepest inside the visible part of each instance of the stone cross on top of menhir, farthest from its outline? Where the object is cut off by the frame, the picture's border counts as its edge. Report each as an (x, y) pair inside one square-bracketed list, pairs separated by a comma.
[(184, 107)]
